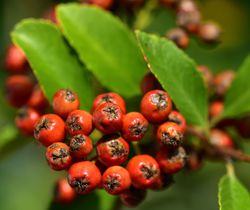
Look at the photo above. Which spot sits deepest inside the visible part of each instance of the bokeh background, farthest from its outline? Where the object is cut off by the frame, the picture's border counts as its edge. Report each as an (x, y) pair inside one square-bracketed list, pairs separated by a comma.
[(26, 183)]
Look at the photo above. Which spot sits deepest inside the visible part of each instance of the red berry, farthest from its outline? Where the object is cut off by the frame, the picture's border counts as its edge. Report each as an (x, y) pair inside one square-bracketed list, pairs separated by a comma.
[(220, 138), (178, 118), (50, 14), (116, 180), (187, 6), (243, 127), (133, 196), (209, 32), (49, 129), (112, 150), (170, 134), (194, 161), (84, 177), (164, 181), (171, 161), (104, 4), (149, 82), (108, 118), (15, 60), (26, 120), (156, 105), (222, 82), (100, 166), (144, 171), (58, 156), (38, 100), (109, 98), (216, 108), (64, 193), (80, 146), (207, 76), (179, 37), (134, 126), (64, 102), (79, 122), (18, 89)]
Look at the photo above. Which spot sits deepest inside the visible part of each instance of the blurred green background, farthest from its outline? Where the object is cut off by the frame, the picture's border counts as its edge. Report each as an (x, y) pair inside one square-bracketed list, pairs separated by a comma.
[(27, 182)]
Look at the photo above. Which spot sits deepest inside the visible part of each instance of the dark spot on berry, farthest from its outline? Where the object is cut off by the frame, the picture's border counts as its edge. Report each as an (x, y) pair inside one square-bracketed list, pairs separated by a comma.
[(178, 155), (112, 183), (112, 112), (172, 141), (117, 149), (69, 95), (107, 98), (149, 171), (80, 184), (160, 101), (60, 155), (138, 129), (43, 124), (73, 124), (22, 113), (76, 142)]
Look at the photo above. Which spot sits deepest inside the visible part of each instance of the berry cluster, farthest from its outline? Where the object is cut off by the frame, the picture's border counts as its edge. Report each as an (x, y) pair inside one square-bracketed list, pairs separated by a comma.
[(115, 167)]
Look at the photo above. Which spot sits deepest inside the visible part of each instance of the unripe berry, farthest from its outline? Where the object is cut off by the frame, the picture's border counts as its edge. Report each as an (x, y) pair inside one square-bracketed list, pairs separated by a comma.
[(222, 82), (178, 118), (133, 197), (171, 161), (134, 126), (209, 32), (220, 138), (18, 89), (58, 156), (104, 4), (15, 60), (79, 122), (110, 97), (216, 108), (207, 76), (116, 180), (179, 37), (149, 82), (108, 118), (156, 105), (26, 120), (38, 100), (112, 150), (170, 134), (80, 146), (64, 102), (64, 193), (144, 171), (84, 177), (49, 129)]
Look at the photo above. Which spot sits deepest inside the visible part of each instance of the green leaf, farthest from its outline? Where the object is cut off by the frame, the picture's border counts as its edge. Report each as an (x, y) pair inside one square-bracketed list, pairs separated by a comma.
[(232, 194), (237, 99), (51, 59), (178, 75), (105, 45)]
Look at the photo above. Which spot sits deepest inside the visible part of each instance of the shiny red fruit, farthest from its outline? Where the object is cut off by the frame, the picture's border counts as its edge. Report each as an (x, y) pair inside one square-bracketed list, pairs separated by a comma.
[(178, 118), (38, 100), (63, 192), (216, 108), (220, 138), (149, 82)]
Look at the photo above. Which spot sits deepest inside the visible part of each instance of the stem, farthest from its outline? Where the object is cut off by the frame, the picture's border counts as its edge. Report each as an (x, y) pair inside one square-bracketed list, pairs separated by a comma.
[(136, 147), (230, 168)]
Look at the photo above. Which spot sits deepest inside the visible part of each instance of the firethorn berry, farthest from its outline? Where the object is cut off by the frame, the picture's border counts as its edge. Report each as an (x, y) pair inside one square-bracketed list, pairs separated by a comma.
[(207, 76), (209, 32), (171, 161), (64, 102), (134, 126), (58, 156), (100, 166), (149, 82), (133, 196), (187, 6), (144, 171), (156, 105), (189, 20), (116, 180), (164, 181), (223, 81), (49, 129), (243, 127), (194, 161), (216, 108), (15, 60), (108, 118), (179, 37), (112, 150), (80, 146), (178, 118), (170, 134), (84, 177), (220, 138), (18, 89), (26, 120), (38, 100), (64, 193), (109, 98), (104, 4), (79, 122)]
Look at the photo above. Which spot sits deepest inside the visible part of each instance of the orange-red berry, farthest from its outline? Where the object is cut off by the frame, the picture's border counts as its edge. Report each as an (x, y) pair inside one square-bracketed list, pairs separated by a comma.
[(149, 82), (222, 82), (104, 4), (220, 138), (63, 192), (178, 118), (133, 196), (209, 32), (207, 76), (216, 108), (179, 37), (38, 100)]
